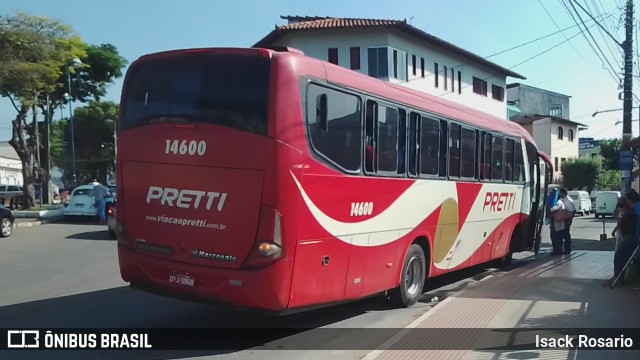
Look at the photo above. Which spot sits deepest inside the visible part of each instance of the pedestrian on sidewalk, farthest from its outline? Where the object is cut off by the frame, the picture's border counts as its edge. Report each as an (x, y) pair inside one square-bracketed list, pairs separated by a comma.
[(628, 237), (621, 207), (565, 238), (556, 217)]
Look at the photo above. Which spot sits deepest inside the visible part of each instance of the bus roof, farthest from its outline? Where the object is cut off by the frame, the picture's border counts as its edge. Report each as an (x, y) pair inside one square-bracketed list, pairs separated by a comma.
[(355, 80), (414, 98)]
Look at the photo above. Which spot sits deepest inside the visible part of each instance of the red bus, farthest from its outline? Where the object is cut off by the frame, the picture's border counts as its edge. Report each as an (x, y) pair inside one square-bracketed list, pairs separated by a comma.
[(269, 180)]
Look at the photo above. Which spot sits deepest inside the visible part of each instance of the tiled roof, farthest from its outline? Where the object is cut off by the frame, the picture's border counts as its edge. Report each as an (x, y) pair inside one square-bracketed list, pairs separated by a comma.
[(297, 23), (528, 119)]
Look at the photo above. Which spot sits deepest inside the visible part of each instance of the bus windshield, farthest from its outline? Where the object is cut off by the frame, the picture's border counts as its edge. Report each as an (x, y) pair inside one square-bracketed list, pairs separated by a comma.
[(226, 90)]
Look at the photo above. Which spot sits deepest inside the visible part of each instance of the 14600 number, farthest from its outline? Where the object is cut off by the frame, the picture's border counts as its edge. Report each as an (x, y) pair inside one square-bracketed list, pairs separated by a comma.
[(185, 147)]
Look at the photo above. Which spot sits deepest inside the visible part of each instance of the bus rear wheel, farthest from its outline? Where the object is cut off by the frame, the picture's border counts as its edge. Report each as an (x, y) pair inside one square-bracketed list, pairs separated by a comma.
[(412, 280)]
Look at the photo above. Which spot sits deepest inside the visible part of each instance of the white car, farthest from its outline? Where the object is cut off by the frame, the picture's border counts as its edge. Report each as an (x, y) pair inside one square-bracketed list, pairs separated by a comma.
[(83, 203)]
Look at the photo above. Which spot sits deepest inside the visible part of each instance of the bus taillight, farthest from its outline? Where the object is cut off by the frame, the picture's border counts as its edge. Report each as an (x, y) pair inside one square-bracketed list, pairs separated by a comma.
[(268, 246), (121, 234)]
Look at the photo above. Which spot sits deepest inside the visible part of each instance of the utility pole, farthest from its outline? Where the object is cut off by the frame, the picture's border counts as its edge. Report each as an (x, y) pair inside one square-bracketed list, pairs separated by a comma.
[(626, 156)]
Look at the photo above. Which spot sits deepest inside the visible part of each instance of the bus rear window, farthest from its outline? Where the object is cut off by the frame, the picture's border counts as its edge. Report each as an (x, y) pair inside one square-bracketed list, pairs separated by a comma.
[(226, 90)]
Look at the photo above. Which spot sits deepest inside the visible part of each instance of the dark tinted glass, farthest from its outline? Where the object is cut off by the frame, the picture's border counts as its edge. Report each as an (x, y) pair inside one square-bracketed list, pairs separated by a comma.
[(227, 90)]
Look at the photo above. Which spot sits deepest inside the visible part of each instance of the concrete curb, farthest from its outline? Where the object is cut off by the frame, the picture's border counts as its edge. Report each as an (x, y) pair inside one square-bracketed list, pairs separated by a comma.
[(35, 223)]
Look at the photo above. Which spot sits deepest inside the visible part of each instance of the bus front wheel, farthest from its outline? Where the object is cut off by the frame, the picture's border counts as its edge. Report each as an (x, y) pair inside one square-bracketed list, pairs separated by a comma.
[(412, 279)]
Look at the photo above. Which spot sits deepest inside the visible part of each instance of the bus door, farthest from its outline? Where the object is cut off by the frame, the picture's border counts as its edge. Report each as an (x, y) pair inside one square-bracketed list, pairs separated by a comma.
[(539, 170)]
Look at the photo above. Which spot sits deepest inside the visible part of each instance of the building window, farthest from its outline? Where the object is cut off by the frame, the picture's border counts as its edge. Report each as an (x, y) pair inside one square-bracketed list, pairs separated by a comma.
[(355, 58), (413, 62), (560, 133), (333, 55), (459, 82), (400, 65), (497, 92), (378, 62), (453, 79), (479, 86), (422, 66), (571, 135), (445, 77), (435, 72), (555, 111), (555, 163)]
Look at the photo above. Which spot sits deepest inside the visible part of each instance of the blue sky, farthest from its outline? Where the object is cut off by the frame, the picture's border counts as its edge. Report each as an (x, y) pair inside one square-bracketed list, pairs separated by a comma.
[(483, 27)]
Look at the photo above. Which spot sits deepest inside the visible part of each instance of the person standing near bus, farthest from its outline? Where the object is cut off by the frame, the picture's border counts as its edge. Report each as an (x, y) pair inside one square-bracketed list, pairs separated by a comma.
[(565, 239), (99, 193), (555, 212), (628, 237)]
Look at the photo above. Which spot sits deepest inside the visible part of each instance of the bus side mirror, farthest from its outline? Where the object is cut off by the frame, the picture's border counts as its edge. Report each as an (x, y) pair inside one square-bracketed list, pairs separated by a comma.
[(321, 111)]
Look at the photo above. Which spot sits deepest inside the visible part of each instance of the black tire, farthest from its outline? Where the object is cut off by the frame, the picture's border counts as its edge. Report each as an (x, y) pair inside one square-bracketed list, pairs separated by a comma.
[(6, 227), (112, 234), (412, 279), (506, 260)]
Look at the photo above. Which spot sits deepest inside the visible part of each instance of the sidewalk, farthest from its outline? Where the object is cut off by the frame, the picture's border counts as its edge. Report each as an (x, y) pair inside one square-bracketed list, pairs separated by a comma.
[(29, 222), (552, 292)]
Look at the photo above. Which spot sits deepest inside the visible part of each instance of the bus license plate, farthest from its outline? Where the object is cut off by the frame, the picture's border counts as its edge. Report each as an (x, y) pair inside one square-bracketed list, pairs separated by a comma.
[(180, 279)]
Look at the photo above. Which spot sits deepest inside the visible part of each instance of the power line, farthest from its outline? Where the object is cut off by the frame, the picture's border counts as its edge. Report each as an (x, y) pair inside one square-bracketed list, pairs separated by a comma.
[(549, 49), (605, 16), (556, 24), (612, 68), (527, 60)]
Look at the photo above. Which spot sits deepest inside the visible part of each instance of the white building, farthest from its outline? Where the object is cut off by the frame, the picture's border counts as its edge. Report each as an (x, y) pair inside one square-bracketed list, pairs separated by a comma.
[(556, 137), (10, 165), (395, 51)]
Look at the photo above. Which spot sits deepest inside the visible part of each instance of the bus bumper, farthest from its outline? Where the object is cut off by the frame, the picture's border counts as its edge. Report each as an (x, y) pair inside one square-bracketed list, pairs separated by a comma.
[(264, 289)]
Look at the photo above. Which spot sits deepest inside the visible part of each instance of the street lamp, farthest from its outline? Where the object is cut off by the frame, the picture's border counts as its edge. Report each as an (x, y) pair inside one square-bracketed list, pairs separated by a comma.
[(76, 63)]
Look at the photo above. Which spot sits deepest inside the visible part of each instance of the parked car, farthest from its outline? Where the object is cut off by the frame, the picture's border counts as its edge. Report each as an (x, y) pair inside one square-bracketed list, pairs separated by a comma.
[(83, 203), (582, 201), (606, 203), (11, 193), (6, 222), (111, 221)]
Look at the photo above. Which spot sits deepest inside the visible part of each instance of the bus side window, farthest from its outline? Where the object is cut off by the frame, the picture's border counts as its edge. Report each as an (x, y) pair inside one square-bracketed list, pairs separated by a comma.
[(486, 156), (497, 159), (444, 145), (468, 153), (509, 157), (334, 120), (430, 141), (454, 150), (413, 146), (387, 149), (370, 143), (402, 141), (519, 164)]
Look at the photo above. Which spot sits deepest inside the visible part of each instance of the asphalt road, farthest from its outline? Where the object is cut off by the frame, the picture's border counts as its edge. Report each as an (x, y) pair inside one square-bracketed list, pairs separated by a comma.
[(66, 276)]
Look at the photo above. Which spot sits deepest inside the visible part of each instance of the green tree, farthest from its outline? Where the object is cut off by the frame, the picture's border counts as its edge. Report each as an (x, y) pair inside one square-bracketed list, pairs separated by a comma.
[(94, 140), (610, 150), (579, 174), (34, 57), (608, 180), (32, 52)]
